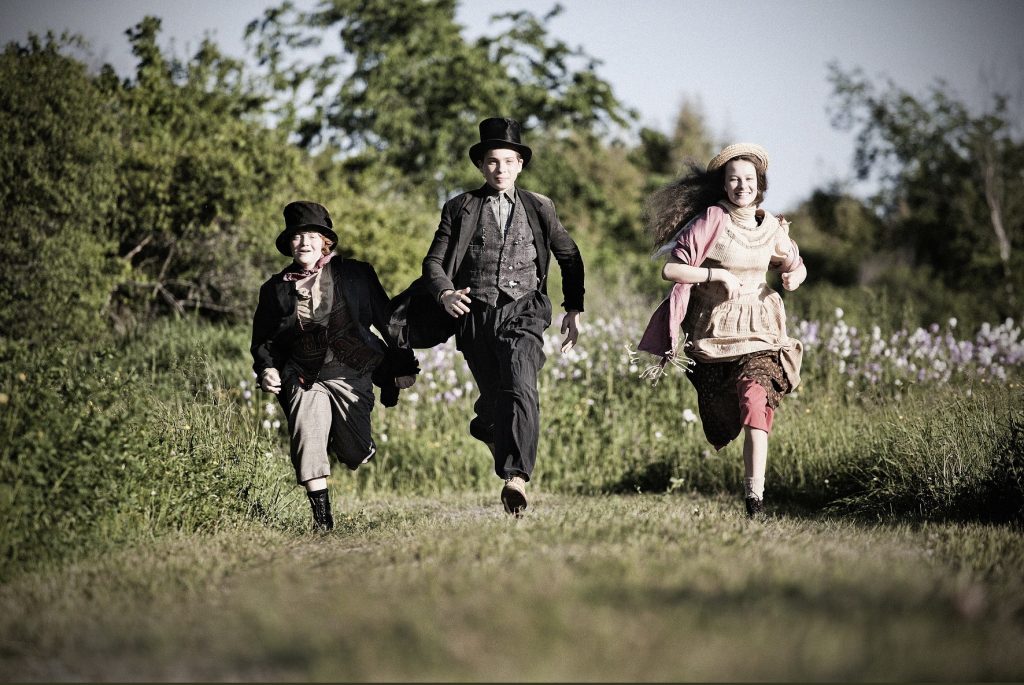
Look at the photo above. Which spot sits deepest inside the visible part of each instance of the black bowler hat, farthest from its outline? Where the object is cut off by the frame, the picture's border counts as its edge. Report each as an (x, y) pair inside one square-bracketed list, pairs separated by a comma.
[(499, 134), (304, 216)]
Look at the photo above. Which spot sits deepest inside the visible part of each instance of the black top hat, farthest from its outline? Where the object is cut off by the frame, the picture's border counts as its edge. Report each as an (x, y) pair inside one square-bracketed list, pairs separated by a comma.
[(499, 134), (304, 216)]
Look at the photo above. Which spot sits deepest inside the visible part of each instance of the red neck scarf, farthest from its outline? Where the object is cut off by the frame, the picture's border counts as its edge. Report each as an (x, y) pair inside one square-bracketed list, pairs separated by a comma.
[(295, 272)]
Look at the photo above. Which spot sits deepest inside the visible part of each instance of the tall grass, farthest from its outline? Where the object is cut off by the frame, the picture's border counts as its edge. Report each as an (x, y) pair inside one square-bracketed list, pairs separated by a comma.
[(165, 431), (107, 445)]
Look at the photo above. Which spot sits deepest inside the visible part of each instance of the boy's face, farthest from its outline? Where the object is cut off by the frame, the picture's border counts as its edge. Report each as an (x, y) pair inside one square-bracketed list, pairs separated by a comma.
[(500, 168)]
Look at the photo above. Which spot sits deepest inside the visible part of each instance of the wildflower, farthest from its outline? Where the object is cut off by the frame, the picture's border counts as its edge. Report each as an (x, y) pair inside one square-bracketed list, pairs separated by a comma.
[(658, 435), (4, 398), (247, 394), (266, 424), (839, 312), (275, 424), (243, 384), (383, 437), (952, 322), (689, 416), (270, 409)]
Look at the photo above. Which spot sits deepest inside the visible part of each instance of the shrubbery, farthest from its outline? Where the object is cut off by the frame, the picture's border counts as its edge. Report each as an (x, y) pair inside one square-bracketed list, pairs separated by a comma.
[(105, 445), (58, 187)]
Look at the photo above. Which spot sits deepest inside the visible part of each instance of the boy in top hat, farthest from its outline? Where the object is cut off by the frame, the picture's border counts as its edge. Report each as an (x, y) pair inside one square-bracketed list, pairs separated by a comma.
[(487, 268)]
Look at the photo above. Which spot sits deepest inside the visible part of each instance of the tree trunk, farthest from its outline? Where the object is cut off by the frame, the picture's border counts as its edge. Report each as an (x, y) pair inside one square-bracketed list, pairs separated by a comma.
[(996, 217)]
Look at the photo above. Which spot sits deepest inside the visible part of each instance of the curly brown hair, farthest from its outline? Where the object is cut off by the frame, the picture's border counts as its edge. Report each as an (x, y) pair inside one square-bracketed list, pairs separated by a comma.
[(673, 206)]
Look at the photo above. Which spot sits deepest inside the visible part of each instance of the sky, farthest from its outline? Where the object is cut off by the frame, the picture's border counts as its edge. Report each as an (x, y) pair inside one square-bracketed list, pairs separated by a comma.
[(757, 68)]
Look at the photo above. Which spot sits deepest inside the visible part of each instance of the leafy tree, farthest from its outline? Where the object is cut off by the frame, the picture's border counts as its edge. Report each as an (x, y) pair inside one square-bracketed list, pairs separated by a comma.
[(841, 239), (665, 156), (952, 183), (58, 179), (407, 91), (202, 182)]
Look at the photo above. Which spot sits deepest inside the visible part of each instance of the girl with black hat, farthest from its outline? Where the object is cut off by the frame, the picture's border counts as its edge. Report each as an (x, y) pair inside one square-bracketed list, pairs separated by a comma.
[(313, 348)]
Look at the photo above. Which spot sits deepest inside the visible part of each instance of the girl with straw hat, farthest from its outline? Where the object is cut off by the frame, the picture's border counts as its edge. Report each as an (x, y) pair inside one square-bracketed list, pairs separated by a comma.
[(720, 244)]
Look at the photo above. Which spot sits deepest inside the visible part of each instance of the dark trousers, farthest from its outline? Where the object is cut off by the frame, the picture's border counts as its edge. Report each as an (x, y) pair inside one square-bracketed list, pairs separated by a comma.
[(504, 348)]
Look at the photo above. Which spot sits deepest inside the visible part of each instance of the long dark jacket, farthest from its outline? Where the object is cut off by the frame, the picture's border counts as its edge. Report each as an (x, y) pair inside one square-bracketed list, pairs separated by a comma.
[(459, 219), (275, 323), (418, 320)]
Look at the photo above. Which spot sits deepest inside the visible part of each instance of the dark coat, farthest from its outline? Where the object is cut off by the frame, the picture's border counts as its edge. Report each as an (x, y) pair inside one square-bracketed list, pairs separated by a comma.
[(276, 320), (417, 318)]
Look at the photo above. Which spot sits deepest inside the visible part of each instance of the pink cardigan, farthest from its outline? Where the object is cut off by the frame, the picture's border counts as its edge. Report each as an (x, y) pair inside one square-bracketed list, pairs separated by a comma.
[(692, 246)]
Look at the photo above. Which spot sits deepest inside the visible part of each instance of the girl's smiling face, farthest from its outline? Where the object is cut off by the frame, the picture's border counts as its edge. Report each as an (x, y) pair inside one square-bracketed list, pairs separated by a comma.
[(741, 182), (307, 248)]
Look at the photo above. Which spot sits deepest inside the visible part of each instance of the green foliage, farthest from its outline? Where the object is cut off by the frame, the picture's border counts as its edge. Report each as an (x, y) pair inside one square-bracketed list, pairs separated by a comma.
[(668, 155), (840, 239), (164, 432), (58, 181), (103, 445), (958, 459), (407, 90), (158, 194), (951, 181), (390, 230), (202, 184)]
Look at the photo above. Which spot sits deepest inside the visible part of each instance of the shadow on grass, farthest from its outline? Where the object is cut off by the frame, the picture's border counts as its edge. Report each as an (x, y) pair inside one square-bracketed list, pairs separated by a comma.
[(995, 496)]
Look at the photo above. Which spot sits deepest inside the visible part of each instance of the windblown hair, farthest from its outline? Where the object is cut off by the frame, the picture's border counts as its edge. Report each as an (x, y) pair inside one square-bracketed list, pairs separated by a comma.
[(673, 206)]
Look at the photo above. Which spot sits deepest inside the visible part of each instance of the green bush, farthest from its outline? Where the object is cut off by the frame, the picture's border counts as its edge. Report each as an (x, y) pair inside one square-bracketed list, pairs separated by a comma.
[(58, 257), (106, 445), (959, 458)]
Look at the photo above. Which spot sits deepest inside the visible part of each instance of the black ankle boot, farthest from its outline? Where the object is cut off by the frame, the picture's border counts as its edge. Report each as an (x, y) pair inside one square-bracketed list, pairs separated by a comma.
[(755, 508), (320, 501)]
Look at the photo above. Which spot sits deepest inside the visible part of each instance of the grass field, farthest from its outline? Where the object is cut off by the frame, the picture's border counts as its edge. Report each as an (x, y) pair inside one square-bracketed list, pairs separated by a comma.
[(150, 527), (631, 587)]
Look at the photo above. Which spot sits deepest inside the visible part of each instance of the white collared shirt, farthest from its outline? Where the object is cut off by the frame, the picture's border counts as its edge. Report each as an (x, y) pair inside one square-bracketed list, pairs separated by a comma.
[(502, 205)]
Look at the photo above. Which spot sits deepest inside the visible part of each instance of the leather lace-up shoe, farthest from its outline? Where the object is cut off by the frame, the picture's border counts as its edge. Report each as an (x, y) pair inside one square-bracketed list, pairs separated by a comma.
[(320, 502), (755, 508), (513, 495)]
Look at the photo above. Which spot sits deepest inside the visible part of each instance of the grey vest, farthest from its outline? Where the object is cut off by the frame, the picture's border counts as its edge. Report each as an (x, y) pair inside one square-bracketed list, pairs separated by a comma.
[(492, 265)]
